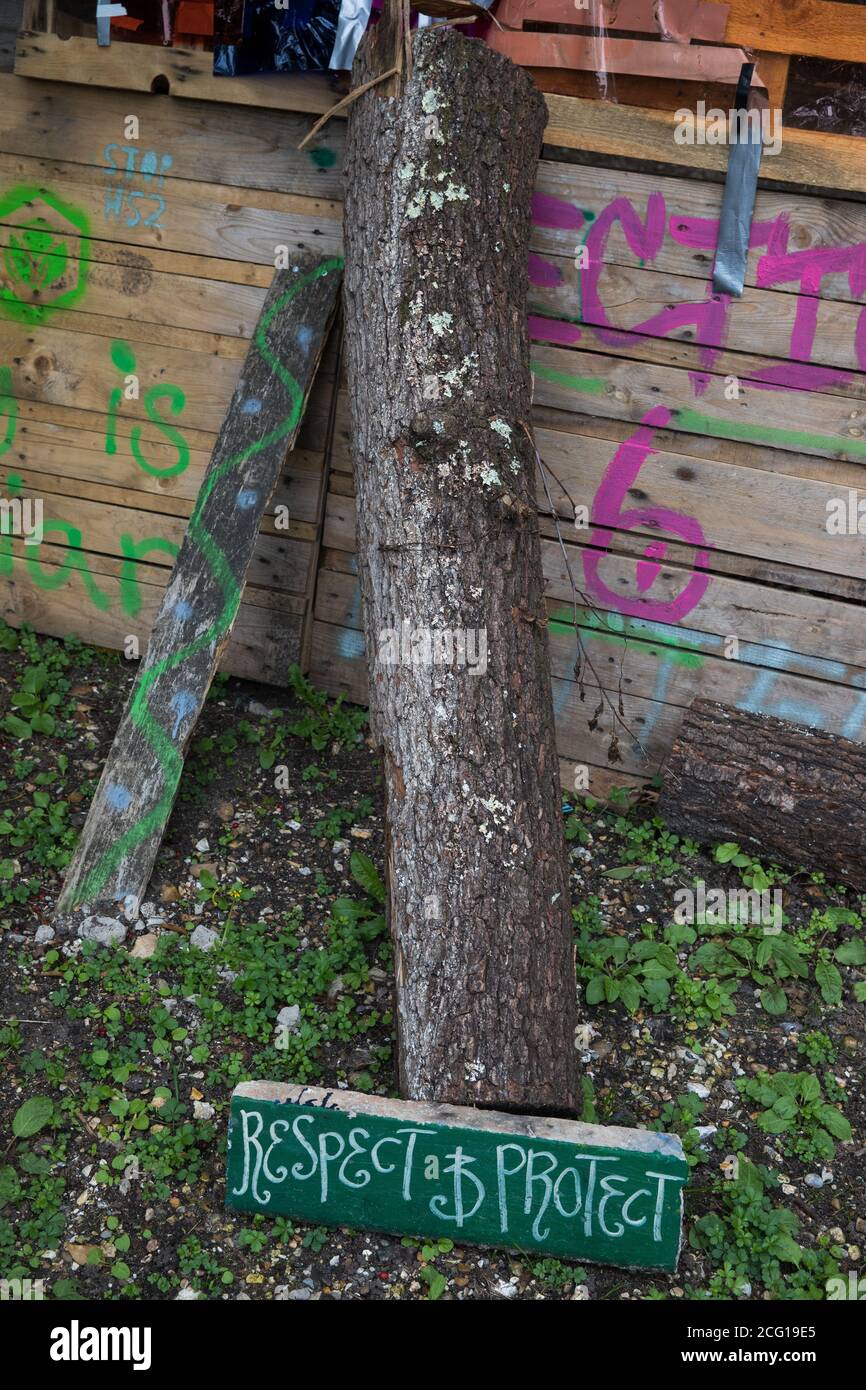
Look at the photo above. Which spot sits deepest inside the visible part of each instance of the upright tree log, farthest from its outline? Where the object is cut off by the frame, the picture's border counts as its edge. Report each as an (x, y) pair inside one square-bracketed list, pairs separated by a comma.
[(437, 212)]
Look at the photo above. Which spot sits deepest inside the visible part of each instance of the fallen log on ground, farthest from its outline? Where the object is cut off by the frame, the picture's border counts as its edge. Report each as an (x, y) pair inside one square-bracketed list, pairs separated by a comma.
[(787, 793)]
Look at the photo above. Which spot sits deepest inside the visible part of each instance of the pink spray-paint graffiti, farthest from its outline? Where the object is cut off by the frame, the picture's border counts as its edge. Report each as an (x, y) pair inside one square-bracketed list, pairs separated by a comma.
[(644, 236), (609, 513), (710, 318)]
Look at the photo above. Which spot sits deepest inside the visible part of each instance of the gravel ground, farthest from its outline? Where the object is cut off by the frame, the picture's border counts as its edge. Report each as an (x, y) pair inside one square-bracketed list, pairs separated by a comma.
[(120, 1043)]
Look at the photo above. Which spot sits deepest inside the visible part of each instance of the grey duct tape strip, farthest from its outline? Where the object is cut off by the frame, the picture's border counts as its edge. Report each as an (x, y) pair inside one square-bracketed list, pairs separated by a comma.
[(738, 204)]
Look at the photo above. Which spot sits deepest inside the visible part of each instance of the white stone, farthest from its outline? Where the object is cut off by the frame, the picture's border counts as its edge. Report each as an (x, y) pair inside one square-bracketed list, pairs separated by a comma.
[(205, 938), (289, 1017), (106, 930)]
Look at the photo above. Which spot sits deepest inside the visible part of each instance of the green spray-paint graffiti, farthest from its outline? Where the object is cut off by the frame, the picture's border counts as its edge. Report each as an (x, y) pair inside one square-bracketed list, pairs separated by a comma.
[(124, 360), (132, 552), (620, 630), (46, 260), (58, 575), (73, 560), (8, 411), (697, 422), (170, 760)]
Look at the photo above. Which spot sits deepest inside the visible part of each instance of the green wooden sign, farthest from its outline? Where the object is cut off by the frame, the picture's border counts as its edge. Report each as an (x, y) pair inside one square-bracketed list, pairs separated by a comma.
[(541, 1186)]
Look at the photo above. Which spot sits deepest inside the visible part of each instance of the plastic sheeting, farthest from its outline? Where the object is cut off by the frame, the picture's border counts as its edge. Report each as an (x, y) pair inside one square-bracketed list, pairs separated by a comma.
[(827, 96), (307, 36)]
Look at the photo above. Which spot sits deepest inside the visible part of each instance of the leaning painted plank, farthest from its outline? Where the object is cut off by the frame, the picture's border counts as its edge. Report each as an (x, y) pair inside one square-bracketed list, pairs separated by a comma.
[(610, 1195), (115, 856)]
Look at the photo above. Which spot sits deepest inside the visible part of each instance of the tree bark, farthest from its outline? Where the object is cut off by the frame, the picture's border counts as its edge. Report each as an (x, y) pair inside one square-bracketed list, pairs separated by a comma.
[(439, 182), (786, 793)]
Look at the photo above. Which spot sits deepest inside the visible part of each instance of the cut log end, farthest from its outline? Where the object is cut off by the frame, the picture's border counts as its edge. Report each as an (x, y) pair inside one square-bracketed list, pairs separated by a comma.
[(789, 794)]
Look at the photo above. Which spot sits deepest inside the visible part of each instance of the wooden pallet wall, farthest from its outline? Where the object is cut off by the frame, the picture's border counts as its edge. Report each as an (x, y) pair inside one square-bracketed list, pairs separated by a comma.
[(705, 437), (723, 581), (169, 246)]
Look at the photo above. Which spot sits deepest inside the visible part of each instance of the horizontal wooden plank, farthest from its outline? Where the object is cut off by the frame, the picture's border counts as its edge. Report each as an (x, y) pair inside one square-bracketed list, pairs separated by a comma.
[(279, 562), (662, 61), (75, 461), (108, 570), (205, 141), (67, 368), (789, 463), (188, 72), (696, 19), (213, 220), (148, 259), (806, 157), (571, 198), (271, 160), (659, 663), (83, 474), (93, 421), (745, 507), (753, 511), (687, 356), (658, 304), (134, 293), (818, 29), (812, 421), (263, 645), (655, 682), (734, 563), (803, 627)]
